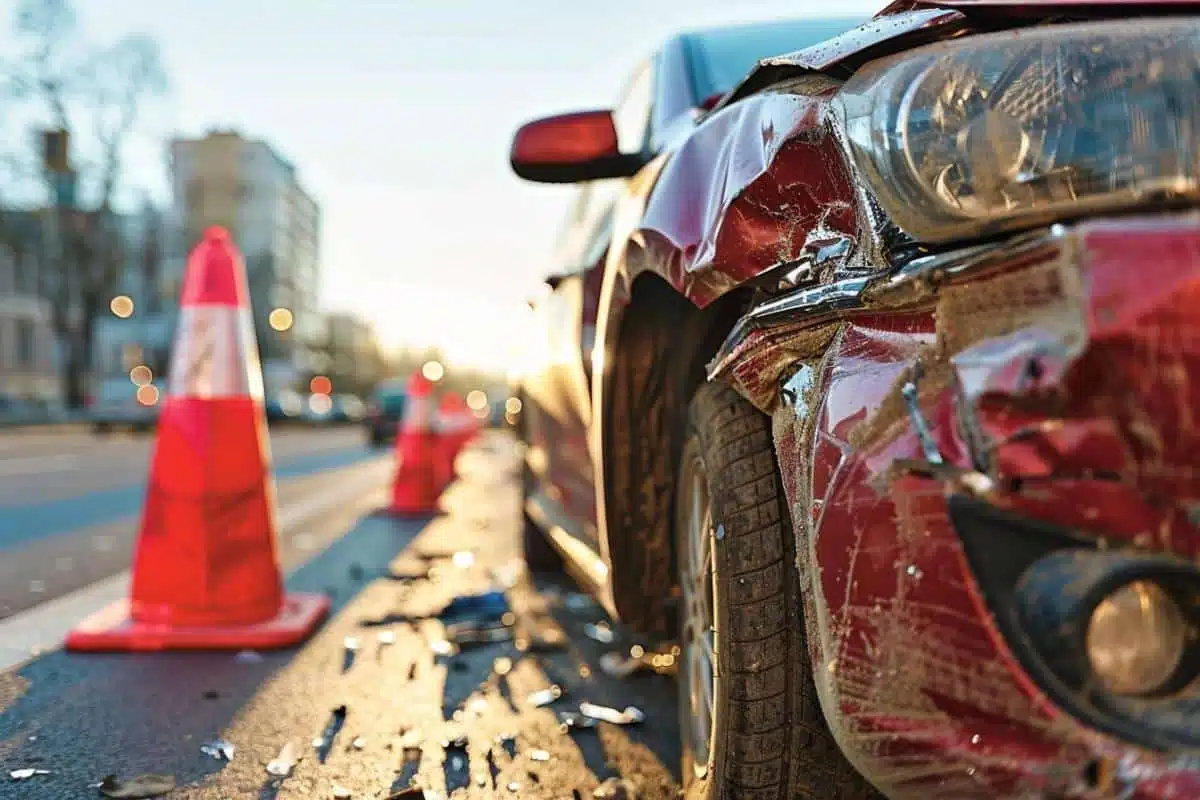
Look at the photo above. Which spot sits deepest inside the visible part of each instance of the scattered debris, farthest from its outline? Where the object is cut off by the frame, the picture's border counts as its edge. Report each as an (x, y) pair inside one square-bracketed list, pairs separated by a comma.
[(387, 638), (599, 631), (475, 633), (463, 559), (615, 789), (27, 773), (487, 605), (350, 643), (539, 755), (443, 647), (412, 739), (341, 793), (141, 787), (544, 697), (630, 716), (618, 665), (221, 750), (248, 657), (359, 742), (571, 720), (502, 665), (282, 765)]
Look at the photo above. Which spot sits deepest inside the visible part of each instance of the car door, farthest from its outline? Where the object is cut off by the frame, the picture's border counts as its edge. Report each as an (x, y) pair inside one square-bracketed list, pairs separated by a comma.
[(558, 390)]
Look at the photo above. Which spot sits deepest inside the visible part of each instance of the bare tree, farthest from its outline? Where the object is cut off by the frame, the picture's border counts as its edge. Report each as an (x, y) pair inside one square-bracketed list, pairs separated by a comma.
[(97, 96)]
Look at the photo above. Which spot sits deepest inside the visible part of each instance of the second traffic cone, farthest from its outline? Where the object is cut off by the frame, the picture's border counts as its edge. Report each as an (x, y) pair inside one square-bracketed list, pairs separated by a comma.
[(415, 488), (456, 426), (206, 573)]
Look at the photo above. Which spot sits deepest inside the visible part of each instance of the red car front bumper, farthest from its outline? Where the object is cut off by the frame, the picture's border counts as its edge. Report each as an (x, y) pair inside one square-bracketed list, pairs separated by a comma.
[(957, 428)]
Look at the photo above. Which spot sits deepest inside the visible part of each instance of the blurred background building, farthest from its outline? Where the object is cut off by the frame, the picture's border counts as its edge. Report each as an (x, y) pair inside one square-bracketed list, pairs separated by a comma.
[(244, 185)]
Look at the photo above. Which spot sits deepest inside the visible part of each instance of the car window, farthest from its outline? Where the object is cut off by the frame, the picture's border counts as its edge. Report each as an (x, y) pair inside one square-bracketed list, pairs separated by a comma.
[(722, 57), (632, 113)]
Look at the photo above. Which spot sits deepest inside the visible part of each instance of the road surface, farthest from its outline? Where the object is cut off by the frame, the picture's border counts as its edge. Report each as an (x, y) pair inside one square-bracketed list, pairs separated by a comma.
[(69, 500), (367, 703)]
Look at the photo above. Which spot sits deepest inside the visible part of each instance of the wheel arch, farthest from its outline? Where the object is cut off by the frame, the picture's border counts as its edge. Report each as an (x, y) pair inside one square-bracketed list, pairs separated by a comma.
[(657, 344)]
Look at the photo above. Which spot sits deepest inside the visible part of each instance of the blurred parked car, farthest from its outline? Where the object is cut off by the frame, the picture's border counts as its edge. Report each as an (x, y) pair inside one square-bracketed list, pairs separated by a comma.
[(284, 406), (120, 403), (384, 412), (347, 408), (893, 405)]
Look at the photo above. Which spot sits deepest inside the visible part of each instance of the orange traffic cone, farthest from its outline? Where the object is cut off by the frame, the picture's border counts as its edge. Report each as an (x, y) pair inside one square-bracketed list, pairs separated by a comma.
[(205, 573), (415, 489)]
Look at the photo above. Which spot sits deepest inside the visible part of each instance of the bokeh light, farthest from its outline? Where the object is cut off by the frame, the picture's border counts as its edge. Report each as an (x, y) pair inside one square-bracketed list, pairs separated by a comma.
[(513, 405), (280, 319), (477, 400), (433, 371), (141, 375), (147, 395), (122, 306), (320, 404), (320, 384)]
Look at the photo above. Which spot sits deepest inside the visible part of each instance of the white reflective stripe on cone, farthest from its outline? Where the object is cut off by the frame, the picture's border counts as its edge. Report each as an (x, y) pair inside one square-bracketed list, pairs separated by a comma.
[(420, 410), (215, 354)]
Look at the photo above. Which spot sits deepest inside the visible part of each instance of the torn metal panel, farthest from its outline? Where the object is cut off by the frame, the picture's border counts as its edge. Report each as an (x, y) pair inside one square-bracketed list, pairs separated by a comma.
[(1058, 374), (760, 184)]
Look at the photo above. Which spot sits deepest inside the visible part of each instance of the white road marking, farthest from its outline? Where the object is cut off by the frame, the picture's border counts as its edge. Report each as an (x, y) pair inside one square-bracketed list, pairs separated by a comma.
[(43, 627), (37, 465)]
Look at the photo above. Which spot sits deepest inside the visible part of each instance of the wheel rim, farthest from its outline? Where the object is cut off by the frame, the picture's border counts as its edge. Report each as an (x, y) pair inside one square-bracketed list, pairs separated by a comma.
[(699, 647)]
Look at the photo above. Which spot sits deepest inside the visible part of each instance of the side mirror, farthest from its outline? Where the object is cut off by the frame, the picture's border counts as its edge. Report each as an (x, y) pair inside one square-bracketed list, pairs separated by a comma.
[(571, 148)]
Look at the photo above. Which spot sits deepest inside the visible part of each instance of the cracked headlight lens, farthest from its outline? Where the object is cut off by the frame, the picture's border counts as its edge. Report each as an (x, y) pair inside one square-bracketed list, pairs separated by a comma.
[(995, 132)]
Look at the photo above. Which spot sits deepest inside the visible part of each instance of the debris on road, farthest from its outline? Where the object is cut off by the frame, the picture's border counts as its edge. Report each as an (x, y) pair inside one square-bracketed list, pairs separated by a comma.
[(248, 657), (544, 697), (221, 750), (282, 765), (599, 631), (142, 787), (342, 793), (573, 720), (539, 755), (630, 716), (26, 773), (619, 665)]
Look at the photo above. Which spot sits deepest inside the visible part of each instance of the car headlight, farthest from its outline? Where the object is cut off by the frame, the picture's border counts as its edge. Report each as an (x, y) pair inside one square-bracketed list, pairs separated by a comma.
[(1136, 639), (1007, 130)]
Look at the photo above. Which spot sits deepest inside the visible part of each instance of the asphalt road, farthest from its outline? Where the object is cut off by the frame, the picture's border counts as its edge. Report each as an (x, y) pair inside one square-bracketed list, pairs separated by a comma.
[(368, 705), (69, 501)]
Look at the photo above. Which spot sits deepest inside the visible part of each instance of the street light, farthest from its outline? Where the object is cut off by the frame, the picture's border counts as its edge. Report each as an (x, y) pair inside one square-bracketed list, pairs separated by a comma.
[(433, 371), (280, 319), (122, 306)]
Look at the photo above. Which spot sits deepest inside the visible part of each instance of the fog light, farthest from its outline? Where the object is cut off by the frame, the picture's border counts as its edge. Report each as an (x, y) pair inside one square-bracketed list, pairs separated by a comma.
[(1136, 639)]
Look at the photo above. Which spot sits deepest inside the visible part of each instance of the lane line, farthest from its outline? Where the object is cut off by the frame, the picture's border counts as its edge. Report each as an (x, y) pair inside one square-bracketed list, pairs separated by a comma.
[(33, 465), (43, 627)]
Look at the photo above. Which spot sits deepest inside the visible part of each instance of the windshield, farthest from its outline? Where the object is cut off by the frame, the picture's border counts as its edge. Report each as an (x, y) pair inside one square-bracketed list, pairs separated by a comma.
[(722, 57)]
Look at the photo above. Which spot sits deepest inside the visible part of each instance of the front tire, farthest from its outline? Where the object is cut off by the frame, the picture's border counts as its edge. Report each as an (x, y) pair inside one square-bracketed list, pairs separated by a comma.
[(762, 735)]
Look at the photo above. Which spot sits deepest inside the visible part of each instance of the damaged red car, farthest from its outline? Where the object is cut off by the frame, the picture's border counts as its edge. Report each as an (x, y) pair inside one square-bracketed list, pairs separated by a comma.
[(879, 396)]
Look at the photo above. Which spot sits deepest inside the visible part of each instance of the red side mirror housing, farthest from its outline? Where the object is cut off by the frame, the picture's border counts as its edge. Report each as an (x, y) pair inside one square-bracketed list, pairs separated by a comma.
[(571, 148)]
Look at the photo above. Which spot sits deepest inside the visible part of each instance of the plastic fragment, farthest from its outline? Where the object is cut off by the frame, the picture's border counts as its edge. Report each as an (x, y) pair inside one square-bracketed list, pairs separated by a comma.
[(26, 773), (544, 697), (140, 787), (488, 605), (341, 793), (630, 716), (221, 750), (463, 559), (350, 643), (387, 638), (571, 720), (359, 742), (282, 765), (600, 632), (539, 755)]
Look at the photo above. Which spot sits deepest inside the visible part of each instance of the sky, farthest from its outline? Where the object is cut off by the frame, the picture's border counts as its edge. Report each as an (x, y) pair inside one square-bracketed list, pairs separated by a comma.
[(398, 115)]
